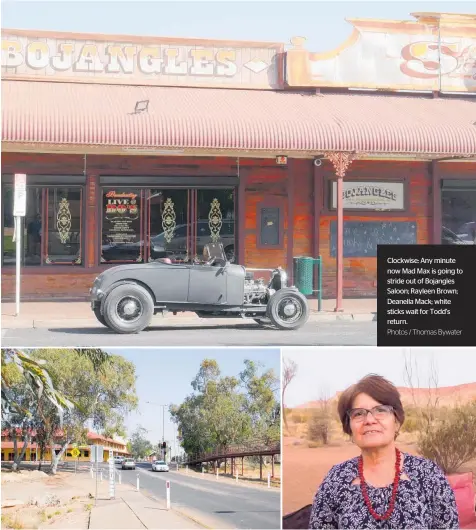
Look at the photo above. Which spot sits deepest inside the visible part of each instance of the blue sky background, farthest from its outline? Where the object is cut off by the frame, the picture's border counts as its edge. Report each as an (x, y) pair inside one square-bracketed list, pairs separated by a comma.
[(334, 369), (164, 376), (322, 23)]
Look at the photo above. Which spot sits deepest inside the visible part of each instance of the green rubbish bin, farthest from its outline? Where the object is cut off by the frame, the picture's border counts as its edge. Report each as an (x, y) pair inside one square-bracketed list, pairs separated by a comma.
[(303, 274)]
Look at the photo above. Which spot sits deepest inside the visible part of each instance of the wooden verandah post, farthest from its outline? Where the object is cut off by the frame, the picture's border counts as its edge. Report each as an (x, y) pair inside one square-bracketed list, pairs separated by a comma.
[(341, 161)]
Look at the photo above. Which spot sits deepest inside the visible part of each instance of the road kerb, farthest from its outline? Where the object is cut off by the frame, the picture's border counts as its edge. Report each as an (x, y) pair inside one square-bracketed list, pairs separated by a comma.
[(177, 511)]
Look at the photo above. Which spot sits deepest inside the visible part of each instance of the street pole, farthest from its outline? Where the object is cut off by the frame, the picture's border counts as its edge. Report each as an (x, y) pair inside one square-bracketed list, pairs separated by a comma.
[(19, 211), (18, 259), (163, 430), (97, 473)]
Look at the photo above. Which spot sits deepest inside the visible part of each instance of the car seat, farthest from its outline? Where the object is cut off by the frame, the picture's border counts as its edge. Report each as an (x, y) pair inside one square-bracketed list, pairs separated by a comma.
[(215, 250)]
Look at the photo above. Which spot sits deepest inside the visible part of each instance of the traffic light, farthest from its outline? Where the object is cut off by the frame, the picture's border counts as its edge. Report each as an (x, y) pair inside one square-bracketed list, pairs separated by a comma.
[(164, 445)]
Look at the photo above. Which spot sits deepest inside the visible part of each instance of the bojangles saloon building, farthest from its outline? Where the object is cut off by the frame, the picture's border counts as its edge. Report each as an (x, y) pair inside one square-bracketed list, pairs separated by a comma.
[(137, 148)]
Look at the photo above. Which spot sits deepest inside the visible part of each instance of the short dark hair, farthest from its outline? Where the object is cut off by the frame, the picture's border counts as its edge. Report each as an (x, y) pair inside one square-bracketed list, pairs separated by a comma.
[(376, 387)]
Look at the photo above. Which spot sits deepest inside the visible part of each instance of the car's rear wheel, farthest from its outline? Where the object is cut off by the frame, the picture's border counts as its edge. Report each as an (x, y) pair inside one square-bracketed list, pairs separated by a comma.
[(288, 309), (128, 308), (99, 316)]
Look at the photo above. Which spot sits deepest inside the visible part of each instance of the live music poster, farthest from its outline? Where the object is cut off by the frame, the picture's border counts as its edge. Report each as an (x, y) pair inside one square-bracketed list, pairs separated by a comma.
[(121, 228)]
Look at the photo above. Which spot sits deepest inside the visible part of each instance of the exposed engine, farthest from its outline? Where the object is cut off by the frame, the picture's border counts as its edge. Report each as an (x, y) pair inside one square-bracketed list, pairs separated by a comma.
[(256, 291)]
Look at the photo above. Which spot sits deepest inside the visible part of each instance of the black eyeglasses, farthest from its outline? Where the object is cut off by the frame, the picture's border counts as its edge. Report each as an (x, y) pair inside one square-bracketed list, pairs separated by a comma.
[(380, 412)]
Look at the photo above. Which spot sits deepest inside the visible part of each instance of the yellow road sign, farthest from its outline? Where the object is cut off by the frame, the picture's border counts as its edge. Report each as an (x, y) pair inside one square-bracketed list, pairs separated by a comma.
[(75, 452)]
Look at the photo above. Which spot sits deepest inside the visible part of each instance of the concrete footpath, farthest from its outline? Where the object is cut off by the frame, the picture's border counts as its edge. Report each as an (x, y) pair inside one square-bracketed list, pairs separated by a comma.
[(130, 509), (133, 510), (78, 314)]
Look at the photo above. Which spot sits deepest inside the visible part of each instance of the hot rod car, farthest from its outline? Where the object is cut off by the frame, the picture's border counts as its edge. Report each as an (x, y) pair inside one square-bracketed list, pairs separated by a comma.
[(125, 297)]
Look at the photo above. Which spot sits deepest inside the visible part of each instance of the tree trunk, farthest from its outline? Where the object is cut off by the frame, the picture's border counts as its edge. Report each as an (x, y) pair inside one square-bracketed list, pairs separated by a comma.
[(19, 457), (55, 458), (15, 449)]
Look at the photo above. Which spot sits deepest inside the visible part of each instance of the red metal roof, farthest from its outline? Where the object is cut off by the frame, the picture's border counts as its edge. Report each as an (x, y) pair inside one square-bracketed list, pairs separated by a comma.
[(198, 118)]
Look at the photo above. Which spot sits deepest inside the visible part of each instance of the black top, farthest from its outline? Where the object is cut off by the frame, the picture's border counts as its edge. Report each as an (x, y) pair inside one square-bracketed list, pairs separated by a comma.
[(424, 500)]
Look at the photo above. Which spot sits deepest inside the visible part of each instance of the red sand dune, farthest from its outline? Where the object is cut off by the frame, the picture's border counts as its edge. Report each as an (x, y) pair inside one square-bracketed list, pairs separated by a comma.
[(447, 396)]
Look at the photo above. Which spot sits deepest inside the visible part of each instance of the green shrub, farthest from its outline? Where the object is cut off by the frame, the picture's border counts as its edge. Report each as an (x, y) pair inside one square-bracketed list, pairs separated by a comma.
[(451, 441)]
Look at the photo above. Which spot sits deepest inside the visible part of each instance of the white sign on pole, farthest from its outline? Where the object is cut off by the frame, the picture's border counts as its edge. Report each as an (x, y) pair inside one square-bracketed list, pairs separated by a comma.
[(96, 453), (112, 477), (19, 211), (19, 199)]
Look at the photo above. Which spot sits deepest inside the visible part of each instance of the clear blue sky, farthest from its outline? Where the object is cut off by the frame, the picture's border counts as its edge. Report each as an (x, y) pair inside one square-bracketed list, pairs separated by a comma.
[(334, 369), (322, 23), (164, 376)]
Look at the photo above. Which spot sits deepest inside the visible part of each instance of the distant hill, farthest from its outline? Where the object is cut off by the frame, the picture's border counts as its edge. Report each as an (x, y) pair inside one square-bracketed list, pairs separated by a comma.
[(447, 396)]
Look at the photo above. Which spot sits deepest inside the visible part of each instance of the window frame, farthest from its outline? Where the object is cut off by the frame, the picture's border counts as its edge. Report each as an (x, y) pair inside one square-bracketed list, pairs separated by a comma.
[(45, 187)]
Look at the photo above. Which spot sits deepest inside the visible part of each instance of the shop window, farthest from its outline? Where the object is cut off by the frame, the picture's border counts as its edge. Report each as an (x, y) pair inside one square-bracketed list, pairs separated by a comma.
[(458, 198), (33, 457), (86, 454), (69, 454), (3, 456), (63, 234), (51, 229), (122, 226)]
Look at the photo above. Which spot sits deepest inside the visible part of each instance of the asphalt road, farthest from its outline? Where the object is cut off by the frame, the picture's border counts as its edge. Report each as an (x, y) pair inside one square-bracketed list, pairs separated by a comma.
[(335, 333), (226, 505)]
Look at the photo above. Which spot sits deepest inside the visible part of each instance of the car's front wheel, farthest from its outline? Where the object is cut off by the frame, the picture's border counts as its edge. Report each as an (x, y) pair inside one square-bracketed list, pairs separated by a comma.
[(288, 309), (128, 308)]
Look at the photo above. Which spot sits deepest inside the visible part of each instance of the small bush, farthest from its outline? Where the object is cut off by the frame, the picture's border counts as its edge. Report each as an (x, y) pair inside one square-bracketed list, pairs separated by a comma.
[(451, 442), (88, 507), (411, 425), (9, 522), (318, 427)]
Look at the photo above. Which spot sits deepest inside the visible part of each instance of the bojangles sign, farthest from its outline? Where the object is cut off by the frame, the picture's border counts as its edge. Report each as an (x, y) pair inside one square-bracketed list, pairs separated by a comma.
[(434, 53), (62, 57)]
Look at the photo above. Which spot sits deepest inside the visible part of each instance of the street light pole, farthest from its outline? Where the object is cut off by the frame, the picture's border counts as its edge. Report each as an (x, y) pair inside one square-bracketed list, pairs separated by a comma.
[(163, 425)]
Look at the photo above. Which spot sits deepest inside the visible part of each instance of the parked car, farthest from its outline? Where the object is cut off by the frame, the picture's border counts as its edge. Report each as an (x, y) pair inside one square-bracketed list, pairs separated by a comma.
[(160, 465), (448, 237), (128, 463), (125, 297), (118, 459)]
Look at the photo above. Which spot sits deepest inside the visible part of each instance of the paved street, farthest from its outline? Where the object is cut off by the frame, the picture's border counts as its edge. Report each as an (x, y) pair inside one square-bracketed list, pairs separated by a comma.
[(226, 505), (197, 332)]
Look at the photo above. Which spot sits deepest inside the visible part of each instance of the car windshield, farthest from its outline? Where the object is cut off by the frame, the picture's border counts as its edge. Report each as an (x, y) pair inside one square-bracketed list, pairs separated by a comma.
[(161, 463)]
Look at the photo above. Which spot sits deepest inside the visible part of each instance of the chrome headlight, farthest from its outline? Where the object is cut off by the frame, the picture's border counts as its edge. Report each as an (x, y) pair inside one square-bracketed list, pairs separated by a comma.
[(284, 278)]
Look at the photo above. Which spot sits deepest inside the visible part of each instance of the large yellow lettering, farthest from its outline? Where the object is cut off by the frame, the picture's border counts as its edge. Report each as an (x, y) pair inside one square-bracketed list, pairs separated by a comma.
[(37, 55), (226, 63), (121, 60), (89, 60), (11, 53), (150, 61), (171, 66), (63, 61), (202, 62)]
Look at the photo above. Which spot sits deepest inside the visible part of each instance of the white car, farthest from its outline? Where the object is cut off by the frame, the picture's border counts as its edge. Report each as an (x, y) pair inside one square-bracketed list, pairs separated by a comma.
[(128, 463), (118, 459), (160, 465)]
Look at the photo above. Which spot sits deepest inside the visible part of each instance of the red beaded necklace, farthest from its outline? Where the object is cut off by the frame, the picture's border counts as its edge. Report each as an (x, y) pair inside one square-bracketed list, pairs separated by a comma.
[(363, 487)]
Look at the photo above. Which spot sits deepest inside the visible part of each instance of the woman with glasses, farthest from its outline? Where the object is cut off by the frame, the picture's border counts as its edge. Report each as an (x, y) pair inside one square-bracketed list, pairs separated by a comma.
[(383, 487)]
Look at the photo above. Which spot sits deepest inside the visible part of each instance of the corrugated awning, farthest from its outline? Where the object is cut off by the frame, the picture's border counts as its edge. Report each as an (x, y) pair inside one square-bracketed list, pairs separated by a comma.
[(198, 118)]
